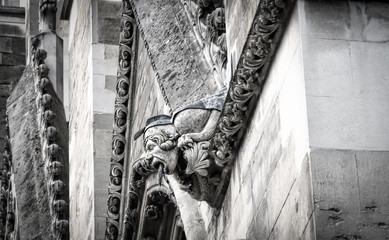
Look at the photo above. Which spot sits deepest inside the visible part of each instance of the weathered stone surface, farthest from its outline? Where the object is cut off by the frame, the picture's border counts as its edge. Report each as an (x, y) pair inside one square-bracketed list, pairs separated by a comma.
[(10, 59), (239, 17), (344, 46), (175, 54), (31, 178), (5, 44), (273, 155), (351, 193), (109, 14), (15, 30), (81, 123)]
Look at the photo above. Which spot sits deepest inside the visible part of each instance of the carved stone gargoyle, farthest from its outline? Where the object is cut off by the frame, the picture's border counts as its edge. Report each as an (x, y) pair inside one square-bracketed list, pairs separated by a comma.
[(179, 145)]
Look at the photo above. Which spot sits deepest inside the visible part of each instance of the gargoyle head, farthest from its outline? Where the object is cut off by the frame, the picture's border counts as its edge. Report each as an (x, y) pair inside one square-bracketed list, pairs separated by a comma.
[(160, 143)]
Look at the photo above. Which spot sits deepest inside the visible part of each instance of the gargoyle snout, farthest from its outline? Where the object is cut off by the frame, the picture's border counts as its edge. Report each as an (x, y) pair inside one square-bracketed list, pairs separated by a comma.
[(157, 162)]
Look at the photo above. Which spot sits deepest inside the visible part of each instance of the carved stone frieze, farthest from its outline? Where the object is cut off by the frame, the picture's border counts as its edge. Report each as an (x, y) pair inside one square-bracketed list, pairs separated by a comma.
[(123, 90), (249, 77)]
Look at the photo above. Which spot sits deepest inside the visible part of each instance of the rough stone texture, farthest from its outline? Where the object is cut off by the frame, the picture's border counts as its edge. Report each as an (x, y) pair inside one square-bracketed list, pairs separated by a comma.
[(54, 48), (351, 193), (147, 100), (269, 195), (93, 58), (12, 61), (176, 56), (109, 15), (345, 46), (239, 17), (81, 123), (106, 17), (30, 180)]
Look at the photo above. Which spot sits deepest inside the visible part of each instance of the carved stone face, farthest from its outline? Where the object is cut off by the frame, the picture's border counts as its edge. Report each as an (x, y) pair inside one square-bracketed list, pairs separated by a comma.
[(161, 147)]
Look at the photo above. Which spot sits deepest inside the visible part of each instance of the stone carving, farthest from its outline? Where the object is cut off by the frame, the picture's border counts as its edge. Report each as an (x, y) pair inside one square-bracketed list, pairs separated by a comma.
[(217, 146), (153, 212), (127, 45), (249, 77), (211, 25), (48, 8), (7, 196), (180, 144), (52, 152)]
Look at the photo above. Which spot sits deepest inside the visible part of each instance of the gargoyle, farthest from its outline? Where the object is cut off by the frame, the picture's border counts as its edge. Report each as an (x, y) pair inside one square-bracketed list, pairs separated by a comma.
[(179, 144)]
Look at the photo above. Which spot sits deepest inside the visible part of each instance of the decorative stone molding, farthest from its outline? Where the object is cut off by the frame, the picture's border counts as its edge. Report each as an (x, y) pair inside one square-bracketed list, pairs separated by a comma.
[(7, 195), (249, 77), (146, 205), (127, 46), (51, 152)]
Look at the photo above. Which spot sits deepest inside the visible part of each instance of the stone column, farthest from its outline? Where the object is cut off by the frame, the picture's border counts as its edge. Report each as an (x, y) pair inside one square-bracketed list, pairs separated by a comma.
[(51, 43)]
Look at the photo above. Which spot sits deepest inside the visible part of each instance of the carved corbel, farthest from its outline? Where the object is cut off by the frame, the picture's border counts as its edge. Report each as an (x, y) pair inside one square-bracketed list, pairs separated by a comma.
[(180, 145)]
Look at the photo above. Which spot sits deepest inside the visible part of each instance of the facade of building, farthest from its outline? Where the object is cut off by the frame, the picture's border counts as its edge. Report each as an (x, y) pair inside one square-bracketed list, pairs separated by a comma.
[(208, 119)]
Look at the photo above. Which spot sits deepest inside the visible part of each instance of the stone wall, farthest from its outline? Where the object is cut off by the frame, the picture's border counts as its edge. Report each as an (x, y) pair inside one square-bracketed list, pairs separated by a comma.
[(12, 58), (269, 194), (345, 51), (93, 58), (33, 178), (81, 122), (239, 18), (105, 50)]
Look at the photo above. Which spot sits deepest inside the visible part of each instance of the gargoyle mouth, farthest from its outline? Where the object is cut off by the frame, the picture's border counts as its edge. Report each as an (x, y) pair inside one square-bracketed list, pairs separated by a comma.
[(161, 171)]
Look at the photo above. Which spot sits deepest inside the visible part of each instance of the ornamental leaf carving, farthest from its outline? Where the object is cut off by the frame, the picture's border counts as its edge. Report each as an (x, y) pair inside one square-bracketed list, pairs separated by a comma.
[(197, 158)]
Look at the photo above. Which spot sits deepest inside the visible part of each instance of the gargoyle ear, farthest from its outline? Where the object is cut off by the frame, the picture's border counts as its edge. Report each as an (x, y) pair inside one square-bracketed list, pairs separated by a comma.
[(139, 133)]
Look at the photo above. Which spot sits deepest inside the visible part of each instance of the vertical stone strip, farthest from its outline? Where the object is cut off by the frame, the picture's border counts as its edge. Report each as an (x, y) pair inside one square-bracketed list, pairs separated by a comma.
[(249, 76), (7, 196), (54, 157), (119, 140)]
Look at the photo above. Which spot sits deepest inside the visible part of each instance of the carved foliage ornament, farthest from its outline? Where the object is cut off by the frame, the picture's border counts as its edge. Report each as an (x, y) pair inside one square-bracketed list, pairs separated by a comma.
[(179, 144), (126, 61), (212, 27), (249, 76), (7, 197)]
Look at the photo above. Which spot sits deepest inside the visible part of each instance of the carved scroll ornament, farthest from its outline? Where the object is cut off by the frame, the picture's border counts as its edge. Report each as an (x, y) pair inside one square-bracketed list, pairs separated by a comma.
[(125, 73), (249, 76)]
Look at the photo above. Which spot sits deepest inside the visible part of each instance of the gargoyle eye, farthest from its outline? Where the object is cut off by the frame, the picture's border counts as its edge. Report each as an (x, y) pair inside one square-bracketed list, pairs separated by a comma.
[(150, 147)]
